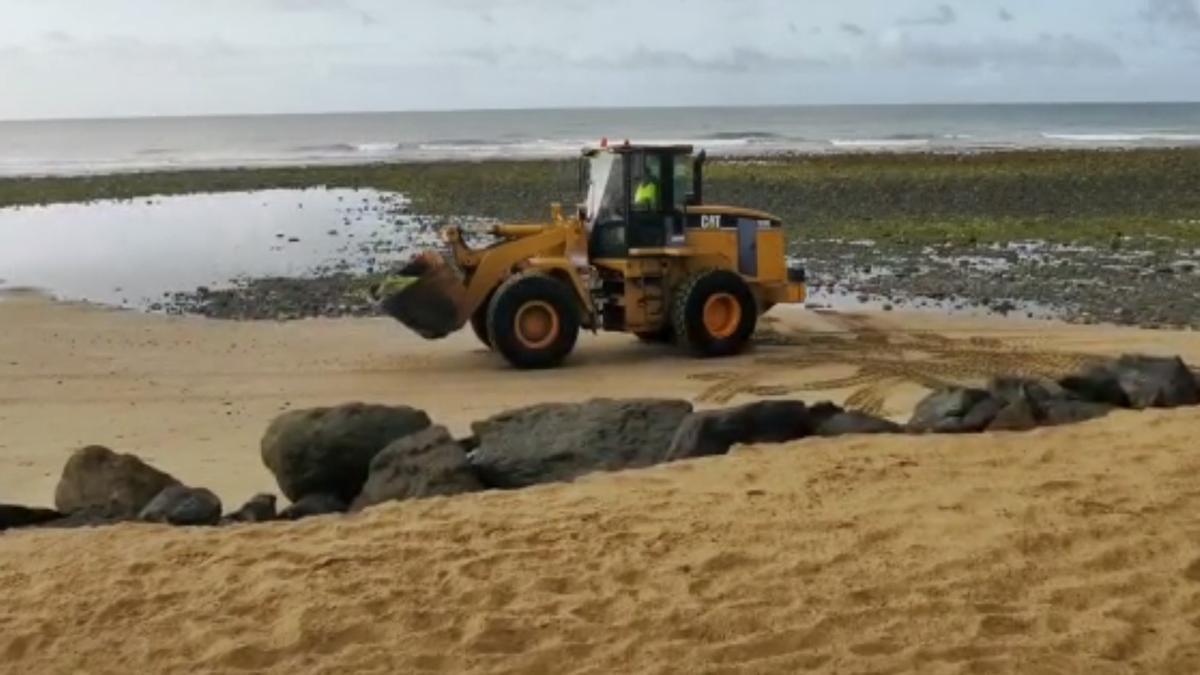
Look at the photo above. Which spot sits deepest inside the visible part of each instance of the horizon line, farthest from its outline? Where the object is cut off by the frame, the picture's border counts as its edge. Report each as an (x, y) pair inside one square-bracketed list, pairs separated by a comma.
[(420, 111)]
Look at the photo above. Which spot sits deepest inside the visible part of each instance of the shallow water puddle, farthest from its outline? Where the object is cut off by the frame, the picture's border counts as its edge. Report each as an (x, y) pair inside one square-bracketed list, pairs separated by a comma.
[(134, 252)]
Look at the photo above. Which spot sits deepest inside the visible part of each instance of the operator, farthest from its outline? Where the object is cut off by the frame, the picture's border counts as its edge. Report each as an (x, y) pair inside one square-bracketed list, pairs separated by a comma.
[(646, 196)]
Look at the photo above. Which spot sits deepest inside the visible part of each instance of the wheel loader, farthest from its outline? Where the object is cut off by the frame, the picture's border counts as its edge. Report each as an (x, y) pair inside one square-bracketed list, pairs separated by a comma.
[(643, 254)]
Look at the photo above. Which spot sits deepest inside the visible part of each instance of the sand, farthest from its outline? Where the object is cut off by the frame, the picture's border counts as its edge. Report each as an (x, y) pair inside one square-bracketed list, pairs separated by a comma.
[(1062, 550)]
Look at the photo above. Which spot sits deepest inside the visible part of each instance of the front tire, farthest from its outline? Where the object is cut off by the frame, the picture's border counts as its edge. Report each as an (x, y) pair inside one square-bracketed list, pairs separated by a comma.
[(533, 321), (479, 324), (714, 313)]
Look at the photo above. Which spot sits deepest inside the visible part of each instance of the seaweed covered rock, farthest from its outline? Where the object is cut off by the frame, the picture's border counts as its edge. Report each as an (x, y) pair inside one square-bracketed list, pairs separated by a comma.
[(714, 432), (561, 441), (425, 464), (329, 450), (108, 485), (181, 505)]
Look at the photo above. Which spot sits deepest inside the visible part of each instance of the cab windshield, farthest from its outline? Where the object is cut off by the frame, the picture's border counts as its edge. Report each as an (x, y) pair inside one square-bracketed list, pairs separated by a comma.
[(605, 188)]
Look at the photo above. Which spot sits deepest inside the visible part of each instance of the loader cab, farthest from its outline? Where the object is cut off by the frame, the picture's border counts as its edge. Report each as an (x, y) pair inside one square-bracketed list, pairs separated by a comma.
[(637, 196)]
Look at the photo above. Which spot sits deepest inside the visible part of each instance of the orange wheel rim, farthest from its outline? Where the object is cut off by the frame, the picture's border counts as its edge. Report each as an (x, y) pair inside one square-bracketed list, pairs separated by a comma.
[(722, 315), (536, 324)]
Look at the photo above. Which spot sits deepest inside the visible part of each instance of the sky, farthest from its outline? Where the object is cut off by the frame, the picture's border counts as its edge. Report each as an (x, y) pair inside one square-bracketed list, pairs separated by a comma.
[(104, 58)]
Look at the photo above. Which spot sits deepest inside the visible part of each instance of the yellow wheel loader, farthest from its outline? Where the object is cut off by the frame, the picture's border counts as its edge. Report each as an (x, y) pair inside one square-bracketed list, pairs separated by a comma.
[(643, 254)]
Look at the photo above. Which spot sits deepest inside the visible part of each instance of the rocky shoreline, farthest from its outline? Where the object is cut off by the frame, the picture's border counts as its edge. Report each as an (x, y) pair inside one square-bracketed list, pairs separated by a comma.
[(355, 456), (1088, 236)]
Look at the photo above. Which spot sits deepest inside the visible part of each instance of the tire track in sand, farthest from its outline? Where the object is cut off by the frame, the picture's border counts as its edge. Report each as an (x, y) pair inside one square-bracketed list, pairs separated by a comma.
[(881, 358)]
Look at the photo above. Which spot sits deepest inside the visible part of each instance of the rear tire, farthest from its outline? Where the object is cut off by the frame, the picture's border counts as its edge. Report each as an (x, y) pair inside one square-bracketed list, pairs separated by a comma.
[(533, 321), (714, 313)]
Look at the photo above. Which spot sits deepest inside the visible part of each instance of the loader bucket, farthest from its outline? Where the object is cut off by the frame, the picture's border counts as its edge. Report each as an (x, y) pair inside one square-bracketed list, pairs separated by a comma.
[(427, 295)]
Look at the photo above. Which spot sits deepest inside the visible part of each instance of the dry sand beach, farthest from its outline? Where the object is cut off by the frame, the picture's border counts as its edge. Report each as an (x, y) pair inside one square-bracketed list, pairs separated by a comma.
[(1061, 550)]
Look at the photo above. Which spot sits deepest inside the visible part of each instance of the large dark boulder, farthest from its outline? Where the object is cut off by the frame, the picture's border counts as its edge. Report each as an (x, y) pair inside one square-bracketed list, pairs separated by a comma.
[(714, 432), (1155, 382), (181, 505), (1016, 415), (259, 509), (955, 410), (424, 464), (562, 441), (313, 505), (1098, 384), (13, 517), (832, 420), (1071, 411), (329, 450), (93, 516), (100, 481)]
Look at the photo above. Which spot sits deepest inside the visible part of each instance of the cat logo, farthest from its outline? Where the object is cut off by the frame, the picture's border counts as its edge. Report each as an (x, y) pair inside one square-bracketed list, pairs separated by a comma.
[(710, 222)]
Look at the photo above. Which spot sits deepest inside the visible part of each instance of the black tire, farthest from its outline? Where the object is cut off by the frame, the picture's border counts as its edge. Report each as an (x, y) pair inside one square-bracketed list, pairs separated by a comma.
[(479, 324), (688, 307), (546, 295)]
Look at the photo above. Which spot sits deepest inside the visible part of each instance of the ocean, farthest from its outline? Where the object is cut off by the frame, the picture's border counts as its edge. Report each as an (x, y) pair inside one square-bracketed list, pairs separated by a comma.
[(56, 147)]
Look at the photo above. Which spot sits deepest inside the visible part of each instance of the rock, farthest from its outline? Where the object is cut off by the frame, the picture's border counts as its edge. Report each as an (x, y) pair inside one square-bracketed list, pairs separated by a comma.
[(1069, 411), (1154, 382), (851, 422), (1033, 392), (93, 516), (1098, 384), (562, 441), (100, 481), (180, 505), (955, 410), (329, 450), (714, 432), (12, 516), (260, 509), (424, 464), (313, 505), (1017, 415)]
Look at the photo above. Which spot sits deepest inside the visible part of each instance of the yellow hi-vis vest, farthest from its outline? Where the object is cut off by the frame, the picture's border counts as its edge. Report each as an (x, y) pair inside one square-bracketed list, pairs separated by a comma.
[(647, 193)]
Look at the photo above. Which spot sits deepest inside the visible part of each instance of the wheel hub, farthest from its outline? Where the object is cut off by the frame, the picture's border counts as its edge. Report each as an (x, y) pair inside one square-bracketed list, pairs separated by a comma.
[(722, 315), (536, 324)]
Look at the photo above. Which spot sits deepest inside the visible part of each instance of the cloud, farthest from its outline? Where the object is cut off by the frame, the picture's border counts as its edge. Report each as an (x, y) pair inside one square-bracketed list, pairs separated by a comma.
[(329, 6), (852, 29), (1045, 51), (1181, 14), (736, 60), (1004, 14), (943, 15)]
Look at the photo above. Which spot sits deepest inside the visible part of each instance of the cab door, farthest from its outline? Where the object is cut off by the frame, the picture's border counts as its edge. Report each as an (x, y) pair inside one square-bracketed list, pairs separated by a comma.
[(747, 243)]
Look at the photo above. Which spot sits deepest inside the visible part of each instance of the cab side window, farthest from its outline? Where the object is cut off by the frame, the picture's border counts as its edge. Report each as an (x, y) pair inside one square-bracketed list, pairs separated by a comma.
[(683, 183)]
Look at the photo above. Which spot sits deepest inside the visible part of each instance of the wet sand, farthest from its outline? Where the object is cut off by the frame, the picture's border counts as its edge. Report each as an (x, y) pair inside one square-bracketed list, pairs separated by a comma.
[(1062, 550)]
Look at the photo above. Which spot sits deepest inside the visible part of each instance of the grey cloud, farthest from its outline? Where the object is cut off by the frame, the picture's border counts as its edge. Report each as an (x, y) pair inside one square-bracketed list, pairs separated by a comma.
[(943, 15), (1005, 15), (330, 6), (1046, 51), (737, 60), (852, 29), (1181, 14), (59, 37)]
